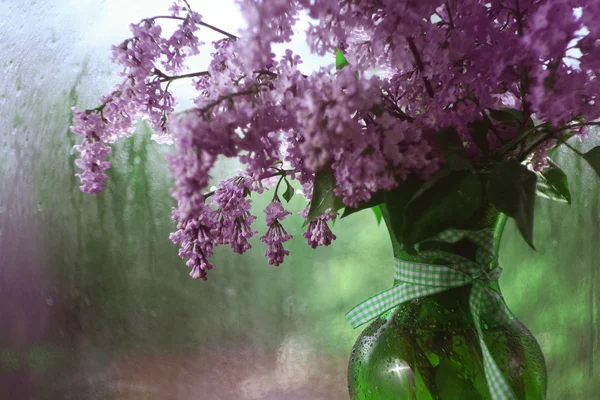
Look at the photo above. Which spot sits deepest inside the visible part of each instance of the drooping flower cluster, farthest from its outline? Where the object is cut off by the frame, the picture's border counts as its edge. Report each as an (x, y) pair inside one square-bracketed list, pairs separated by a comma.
[(140, 93), (415, 68), (196, 238), (276, 234), (234, 218), (93, 164), (318, 232)]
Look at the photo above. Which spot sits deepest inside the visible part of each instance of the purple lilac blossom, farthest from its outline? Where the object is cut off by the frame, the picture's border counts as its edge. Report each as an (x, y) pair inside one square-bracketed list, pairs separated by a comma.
[(234, 218), (276, 234), (318, 232), (197, 240), (142, 92), (416, 67)]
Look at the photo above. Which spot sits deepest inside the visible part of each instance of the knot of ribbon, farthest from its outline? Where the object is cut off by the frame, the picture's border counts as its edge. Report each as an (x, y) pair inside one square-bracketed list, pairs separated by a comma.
[(416, 280)]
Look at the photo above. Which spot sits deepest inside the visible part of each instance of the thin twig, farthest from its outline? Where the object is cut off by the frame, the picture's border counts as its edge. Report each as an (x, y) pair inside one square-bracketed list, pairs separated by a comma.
[(397, 111), (518, 18), (420, 65), (450, 21), (220, 99), (281, 172), (166, 78), (492, 127), (214, 28), (569, 146)]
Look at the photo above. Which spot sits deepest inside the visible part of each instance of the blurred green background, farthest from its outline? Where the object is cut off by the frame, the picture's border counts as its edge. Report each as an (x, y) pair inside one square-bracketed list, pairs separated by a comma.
[(95, 303)]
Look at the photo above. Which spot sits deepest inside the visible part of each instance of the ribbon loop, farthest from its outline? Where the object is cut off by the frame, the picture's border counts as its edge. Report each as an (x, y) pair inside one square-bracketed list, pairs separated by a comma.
[(422, 279)]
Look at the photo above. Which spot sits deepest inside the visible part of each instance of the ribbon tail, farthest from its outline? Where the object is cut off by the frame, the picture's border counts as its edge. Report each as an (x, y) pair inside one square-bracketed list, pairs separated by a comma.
[(499, 387)]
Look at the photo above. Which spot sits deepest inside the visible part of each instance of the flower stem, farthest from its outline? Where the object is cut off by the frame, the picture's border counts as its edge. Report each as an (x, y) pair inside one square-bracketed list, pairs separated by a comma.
[(214, 28), (569, 146), (275, 196), (420, 65), (281, 172), (166, 78), (225, 97)]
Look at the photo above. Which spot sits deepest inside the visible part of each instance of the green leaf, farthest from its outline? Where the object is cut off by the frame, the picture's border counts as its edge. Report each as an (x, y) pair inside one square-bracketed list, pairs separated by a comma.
[(547, 191), (378, 214), (375, 200), (509, 115), (449, 202), (564, 138), (397, 199), (289, 191), (553, 184), (479, 133), (425, 186), (323, 200), (593, 158), (451, 146), (340, 59), (511, 188), (450, 377)]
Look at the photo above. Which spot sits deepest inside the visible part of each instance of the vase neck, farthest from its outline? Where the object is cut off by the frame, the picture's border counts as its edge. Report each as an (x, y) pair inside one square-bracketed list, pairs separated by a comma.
[(486, 217), (457, 298)]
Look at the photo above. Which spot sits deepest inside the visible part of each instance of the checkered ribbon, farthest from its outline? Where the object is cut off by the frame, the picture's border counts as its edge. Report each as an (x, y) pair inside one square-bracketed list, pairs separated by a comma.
[(422, 279)]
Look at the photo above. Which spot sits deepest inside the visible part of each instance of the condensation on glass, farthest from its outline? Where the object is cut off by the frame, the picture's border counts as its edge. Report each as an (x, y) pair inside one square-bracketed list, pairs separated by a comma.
[(95, 303)]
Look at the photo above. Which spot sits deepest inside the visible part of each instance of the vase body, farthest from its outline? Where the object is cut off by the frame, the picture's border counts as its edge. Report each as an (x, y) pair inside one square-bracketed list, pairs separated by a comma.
[(428, 349)]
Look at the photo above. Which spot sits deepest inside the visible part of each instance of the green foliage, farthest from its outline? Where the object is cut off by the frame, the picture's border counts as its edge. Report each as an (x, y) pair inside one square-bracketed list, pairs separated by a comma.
[(593, 158), (511, 188), (453, 149), (450, 377), (374, 201), (378, 216), (323, 200), (510, 116), (553, 153), (289, 191), (479, 132), (448, 201), (396, 200), (553, 184), (340, 59)]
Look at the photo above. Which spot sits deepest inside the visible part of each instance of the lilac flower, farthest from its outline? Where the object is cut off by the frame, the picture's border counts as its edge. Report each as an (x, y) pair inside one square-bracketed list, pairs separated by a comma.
[(276, 235), (318, 232), (440, 64), (197, 240), (182, 44), (539, 159), (234, 218), (93, 163), (176, 8)]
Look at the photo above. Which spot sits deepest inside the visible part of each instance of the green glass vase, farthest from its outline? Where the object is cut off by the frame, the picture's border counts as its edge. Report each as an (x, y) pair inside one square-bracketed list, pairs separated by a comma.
[(428, 349)]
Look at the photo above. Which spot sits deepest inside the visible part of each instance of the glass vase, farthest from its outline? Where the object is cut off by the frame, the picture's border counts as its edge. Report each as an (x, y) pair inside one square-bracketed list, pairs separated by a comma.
[(428, 348)]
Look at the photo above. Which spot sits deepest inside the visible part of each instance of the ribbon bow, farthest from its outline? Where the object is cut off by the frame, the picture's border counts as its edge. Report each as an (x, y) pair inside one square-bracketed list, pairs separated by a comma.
[(421, 279)]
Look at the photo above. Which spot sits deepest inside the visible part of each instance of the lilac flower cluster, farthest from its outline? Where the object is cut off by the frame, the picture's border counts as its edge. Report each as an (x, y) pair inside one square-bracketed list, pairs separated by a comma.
[(140, 93), (234, 218), (318, 232), (415, 67), (197, 240), (276, 234)]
